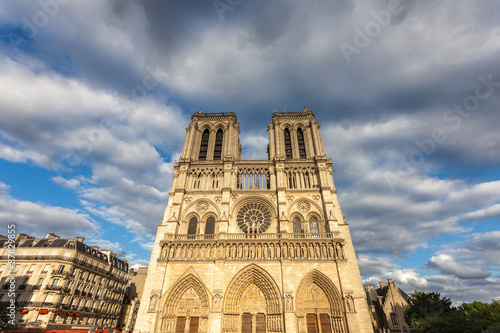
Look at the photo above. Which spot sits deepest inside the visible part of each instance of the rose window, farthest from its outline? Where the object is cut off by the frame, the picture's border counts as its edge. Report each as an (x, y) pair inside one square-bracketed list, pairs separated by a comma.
[(253, 218)]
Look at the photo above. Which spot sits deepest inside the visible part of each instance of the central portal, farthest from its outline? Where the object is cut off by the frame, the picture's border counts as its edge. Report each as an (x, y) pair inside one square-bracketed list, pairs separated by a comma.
[(253, 308)]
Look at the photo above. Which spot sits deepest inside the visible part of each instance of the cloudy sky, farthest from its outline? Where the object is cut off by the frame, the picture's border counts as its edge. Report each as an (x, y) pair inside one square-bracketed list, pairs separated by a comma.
[(95, 97)]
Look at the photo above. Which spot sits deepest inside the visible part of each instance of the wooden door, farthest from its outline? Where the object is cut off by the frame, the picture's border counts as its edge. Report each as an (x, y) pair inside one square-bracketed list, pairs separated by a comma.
[(260, 323), (193, 324), (324, 319), (246, 323), (181, 325), (312, 325)]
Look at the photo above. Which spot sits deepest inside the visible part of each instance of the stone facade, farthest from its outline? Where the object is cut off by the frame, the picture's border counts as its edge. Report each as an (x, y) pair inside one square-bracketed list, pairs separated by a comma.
[(387, 305), (62, 284), (253, 245)]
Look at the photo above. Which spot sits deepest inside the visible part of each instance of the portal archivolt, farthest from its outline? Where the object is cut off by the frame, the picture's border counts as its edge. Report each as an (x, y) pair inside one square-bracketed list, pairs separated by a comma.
[(185, 306), (319, 305), (252, 303)]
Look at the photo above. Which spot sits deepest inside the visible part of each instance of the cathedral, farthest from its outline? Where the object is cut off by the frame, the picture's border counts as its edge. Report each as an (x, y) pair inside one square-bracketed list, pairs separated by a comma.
[(253, 245)]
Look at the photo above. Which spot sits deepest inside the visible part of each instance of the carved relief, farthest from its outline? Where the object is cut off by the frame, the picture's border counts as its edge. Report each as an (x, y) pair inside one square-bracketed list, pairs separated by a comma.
[(350, 303), (303, 206), (289, 198), (217, 303), (218, 199), (202, 206), (153, 303), (289, 303), (256, 250), (188, 199)]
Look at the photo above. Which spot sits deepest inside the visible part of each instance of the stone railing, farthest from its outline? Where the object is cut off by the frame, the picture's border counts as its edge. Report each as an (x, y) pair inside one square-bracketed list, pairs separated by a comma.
[(230, 236)]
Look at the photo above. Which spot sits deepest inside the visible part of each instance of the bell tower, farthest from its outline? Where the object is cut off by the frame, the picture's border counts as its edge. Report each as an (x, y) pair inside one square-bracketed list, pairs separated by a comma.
[(253, 245)]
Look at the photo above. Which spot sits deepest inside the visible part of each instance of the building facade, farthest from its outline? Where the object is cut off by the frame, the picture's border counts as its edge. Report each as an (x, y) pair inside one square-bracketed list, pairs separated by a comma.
[(132, 300), (253, 245), (387, 305), (62, 284)]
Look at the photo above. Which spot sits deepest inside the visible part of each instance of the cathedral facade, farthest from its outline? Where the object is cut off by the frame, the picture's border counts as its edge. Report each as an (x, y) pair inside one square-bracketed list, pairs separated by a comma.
[(253, 245)]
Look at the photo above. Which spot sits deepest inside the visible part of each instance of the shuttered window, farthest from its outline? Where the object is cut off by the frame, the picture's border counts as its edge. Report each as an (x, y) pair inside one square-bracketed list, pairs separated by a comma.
[(288, 144), (204, 145), (300, 141), (218, 145)]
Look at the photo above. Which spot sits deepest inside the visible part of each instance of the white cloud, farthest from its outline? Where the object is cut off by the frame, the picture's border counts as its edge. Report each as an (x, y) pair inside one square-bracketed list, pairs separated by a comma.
[(40, 219), (446, 265)]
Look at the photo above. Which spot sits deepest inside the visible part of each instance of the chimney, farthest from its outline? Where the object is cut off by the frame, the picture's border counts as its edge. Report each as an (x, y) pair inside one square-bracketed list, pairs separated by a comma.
[(368, 288), (51, 236), (95, 248), (79, 239), (382, 284)]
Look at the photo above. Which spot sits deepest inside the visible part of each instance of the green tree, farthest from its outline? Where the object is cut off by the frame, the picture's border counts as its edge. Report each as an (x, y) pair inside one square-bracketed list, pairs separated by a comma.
[(431, 313)]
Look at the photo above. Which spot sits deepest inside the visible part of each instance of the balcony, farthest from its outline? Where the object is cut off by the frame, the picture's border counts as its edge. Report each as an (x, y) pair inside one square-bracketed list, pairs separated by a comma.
[(231, 236)]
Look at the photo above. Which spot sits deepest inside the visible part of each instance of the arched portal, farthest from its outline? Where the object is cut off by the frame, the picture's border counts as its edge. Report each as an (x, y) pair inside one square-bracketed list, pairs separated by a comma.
[(185, 307), (319, 305), (252, 300)]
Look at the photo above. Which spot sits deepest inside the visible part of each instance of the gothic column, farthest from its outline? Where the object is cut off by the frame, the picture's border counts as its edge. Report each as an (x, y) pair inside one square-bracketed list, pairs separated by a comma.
[(211, 145), (272, 149), (309, 142), (294, 144)]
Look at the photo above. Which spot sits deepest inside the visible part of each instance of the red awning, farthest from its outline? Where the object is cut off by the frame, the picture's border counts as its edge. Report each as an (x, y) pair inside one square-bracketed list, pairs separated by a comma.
[(43, 311), (77, 314), (25, 311), (58, 312), (70, 313)]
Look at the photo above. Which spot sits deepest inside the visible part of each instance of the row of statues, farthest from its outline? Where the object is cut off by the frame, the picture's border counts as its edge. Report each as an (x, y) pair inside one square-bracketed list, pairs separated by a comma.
[(258, 251)]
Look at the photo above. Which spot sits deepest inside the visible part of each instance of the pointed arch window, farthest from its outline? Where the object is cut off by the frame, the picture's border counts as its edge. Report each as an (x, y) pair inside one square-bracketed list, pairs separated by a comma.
[(288, 144), (302, 146), (193, 225), (204, 145), (210, 226), (218, 144), (313, 225), (296, 226)]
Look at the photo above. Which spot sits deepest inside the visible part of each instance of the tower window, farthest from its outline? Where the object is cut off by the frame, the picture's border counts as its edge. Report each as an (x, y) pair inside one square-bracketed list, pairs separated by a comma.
[(302, 146), (204, 145), (218, 145), (288, 144)]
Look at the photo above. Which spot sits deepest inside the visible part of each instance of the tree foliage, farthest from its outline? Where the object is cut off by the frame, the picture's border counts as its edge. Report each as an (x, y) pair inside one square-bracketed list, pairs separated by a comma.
[(429, 313)]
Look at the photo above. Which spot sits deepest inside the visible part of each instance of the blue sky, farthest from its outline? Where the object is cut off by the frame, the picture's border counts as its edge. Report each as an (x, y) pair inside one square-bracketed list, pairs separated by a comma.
[(95, 97)]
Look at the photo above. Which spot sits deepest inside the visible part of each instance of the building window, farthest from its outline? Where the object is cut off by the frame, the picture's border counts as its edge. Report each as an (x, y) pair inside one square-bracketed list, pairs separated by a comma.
[(193, 226), (55, 283), (302, 146), (60, 270), (46, 268), (313, 225), (218, 145), (39, 282), (297, 229), (210, 226), (288, 144), (394, 319), (204, 145)]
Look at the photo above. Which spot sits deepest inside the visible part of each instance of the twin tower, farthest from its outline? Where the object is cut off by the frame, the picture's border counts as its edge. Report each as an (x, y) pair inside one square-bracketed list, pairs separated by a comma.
[(253, 245)]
